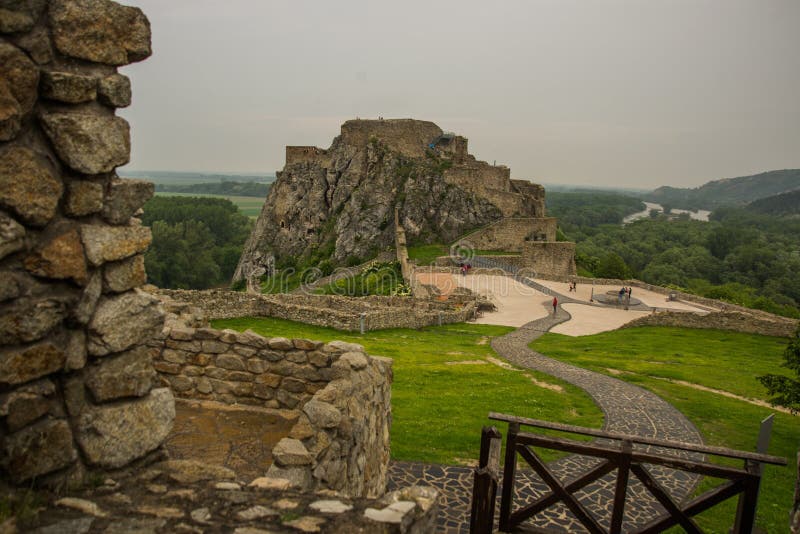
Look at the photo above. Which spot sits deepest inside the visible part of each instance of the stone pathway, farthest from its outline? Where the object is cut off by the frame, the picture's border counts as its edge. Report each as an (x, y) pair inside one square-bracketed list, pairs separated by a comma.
[(628, 409)]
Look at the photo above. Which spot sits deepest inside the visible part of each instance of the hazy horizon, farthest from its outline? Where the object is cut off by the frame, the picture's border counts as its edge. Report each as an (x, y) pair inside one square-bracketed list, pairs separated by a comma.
[(618, 94)]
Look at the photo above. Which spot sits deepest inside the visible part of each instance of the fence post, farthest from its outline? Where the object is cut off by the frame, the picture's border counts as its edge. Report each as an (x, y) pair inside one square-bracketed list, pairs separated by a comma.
[(362, 321), (509, 472), (484, 489), (748, 500)]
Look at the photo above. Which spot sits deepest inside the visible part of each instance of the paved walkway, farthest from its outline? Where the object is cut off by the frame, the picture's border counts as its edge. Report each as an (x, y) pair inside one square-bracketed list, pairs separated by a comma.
[(628, 409)]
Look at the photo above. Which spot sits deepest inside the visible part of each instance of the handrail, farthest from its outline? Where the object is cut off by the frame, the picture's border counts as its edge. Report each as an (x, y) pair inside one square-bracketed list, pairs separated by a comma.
[(705, 449)]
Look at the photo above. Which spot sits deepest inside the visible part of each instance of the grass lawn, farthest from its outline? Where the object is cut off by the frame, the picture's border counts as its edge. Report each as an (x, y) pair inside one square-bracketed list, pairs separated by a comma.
[(427, 254), (249, 206), (716, 359), (438, 409)]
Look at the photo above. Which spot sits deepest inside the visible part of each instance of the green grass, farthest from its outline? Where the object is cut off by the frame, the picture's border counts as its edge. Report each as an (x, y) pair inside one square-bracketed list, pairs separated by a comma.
[(427, 254), (249, 206), (721, 360), (438, 410)]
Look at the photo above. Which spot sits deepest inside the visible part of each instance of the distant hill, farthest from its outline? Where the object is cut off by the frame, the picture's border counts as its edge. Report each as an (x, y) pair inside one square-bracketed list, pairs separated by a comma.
[(782, 204), (226, 188), (188, 178), (729, 191)]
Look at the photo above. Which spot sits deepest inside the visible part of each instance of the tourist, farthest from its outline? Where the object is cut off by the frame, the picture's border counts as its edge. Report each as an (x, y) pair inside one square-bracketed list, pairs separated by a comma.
[(622, 292), (555, 305), (463, 270)]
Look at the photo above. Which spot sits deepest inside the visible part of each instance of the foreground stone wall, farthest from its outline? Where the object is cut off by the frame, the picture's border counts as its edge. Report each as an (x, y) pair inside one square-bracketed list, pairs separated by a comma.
[(341, 439), (511, 233), (341, 313), (77, 388)]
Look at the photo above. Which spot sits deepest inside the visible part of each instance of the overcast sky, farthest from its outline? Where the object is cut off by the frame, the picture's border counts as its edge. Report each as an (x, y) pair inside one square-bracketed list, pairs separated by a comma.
[(635, 93)]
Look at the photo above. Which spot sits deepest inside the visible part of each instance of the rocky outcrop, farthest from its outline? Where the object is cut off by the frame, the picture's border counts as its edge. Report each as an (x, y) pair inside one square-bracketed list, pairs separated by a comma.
[(339, 203), (78, 391)]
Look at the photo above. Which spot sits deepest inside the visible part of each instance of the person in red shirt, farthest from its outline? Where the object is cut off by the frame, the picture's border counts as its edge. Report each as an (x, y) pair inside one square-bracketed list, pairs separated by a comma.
[(555, 305)]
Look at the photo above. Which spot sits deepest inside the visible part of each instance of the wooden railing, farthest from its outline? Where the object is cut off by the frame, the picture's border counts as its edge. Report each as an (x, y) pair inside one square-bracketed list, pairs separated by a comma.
[(628, 455)]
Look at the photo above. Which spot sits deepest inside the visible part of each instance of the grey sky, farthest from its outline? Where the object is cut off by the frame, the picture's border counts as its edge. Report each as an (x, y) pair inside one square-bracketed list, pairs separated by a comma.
[(616, 93)]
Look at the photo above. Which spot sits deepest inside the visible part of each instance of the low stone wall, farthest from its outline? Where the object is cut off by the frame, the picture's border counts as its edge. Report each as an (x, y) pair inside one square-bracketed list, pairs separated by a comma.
[(341, 439), (735, 321), (341, 313)]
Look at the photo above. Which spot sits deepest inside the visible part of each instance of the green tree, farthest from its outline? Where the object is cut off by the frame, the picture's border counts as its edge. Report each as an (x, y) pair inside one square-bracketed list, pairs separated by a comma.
[(785, 391), (613, 266)]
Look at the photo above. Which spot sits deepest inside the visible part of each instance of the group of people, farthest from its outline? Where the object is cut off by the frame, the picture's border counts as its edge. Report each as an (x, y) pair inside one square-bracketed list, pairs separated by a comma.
[(573, 286), (624, 291), (465, 268)]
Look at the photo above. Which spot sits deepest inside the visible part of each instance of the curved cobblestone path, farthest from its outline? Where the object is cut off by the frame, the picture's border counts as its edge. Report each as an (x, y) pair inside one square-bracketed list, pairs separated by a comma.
[(628, 409)]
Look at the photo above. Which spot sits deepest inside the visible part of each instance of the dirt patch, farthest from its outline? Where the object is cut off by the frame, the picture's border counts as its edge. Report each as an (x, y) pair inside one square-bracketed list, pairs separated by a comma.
[(237, 437), (545, 385), (482, 341)]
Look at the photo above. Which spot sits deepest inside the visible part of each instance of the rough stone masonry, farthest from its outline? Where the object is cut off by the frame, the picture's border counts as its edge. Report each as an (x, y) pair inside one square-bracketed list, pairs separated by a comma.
[(78, 391)]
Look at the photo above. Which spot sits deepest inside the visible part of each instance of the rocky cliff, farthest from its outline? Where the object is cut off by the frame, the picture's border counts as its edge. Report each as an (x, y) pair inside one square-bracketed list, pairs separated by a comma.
[(339, 203)]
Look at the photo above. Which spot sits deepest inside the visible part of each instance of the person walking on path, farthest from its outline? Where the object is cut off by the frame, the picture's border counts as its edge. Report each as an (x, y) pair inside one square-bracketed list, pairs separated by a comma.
[(555, 305)]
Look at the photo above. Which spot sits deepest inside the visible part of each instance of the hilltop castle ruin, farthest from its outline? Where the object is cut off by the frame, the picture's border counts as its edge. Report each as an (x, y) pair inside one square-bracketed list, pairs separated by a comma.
[(339, 202)]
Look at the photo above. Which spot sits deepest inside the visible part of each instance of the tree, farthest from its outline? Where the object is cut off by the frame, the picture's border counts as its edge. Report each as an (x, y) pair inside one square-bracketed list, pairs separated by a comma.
[(785, 391), (612, 266)]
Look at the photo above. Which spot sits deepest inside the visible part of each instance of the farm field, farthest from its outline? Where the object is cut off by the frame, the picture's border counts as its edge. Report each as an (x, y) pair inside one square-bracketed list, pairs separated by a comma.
[(656, 358), (249, 206)]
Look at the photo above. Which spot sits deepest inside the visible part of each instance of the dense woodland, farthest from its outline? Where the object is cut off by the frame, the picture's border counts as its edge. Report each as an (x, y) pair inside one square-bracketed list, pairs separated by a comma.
[(740, 256), (196, 241)]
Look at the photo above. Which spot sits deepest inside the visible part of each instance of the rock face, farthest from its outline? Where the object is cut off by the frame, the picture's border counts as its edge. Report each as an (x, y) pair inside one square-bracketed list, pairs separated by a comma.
[(76, 377), (340, 202)]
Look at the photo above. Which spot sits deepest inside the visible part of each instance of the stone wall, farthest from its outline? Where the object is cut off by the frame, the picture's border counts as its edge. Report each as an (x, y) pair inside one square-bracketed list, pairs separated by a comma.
[(77, 388), (549, 258), (341, 313), (510, 233), (341, 439), (406, 136), (735, 321)]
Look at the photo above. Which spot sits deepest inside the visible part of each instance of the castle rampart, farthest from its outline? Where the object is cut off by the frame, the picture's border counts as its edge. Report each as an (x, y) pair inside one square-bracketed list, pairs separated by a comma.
[(511, 233), (407, 136), (304, 154)]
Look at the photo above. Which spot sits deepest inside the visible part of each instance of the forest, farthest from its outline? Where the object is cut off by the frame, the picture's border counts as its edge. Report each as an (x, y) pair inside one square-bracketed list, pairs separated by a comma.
[(740, 256), (196, 241)]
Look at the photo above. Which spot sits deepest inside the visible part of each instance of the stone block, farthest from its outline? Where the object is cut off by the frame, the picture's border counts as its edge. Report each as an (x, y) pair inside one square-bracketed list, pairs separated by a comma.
[(182, 334), (174, 356), (272, 355), (302, 429), (229, 361), (37, 44), (28, 185), (290, 452), (129, 374), (26, 404), (305, 344), (322, 414), (124, 198), (113, 435), (85, 308), (257, 366), (242, 389), (113, 243), (193, 370), (280, 343), (138, 311), (299, 477), (293, 385), (204, 386), (88, 143), (340, 347), (60, 256), (286, 399), (263, 391), (166, 367), (20, 74), (83, 198), (12, 236), (38, 449), (356, 360), (115, 91), (244, 350), (269, 379), (188, 346), (100, 30), (123, 275), (13, 21), (68, 87), (296, 356), (240, 376), (206, 333), (180, 384), (11, 286), (75, 350), (29, 319), (214, 347), (319, 359)]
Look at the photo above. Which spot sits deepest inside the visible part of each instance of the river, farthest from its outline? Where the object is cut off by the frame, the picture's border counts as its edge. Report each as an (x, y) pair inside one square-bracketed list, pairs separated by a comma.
[(699, 215)]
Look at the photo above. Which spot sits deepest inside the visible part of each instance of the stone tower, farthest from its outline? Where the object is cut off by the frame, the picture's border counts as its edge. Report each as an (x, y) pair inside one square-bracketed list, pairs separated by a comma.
[(77, 388)]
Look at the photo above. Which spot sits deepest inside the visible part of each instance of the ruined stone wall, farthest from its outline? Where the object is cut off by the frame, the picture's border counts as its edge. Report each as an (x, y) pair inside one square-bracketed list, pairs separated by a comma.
[(549, 258), (479, 176), (510, 233), (77, 388), (341, 313), (304, 154), (535, 194), (341, 438), (735, 321), (406, 136)]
